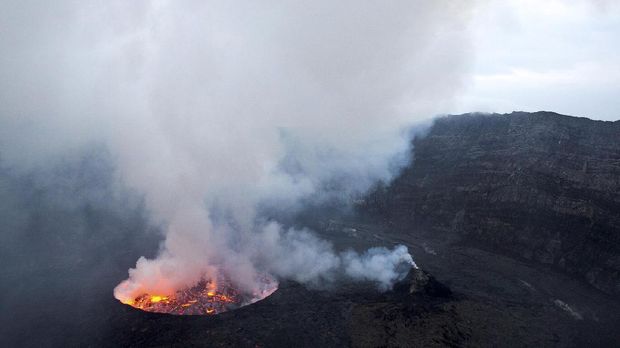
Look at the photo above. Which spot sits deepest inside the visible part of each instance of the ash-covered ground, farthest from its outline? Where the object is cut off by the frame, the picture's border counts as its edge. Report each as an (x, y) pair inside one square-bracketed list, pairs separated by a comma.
[(68, 242)]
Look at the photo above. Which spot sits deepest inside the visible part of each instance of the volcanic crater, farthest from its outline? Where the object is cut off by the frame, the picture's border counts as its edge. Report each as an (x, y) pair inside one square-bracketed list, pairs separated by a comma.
[(206, 297)]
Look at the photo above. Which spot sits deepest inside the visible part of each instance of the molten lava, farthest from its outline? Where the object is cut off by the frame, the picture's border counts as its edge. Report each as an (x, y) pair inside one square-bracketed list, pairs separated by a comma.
[(204, 298)]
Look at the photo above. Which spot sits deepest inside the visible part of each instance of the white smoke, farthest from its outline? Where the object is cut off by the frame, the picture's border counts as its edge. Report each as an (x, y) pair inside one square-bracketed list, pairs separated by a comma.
[(379, 264), (211, 108), (300, 255)]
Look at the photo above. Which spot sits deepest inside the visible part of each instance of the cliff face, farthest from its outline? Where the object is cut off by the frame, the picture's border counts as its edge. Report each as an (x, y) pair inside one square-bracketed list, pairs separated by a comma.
[(541, 186)]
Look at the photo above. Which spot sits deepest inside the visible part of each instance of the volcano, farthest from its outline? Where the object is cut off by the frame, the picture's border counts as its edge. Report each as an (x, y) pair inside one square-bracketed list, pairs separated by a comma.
[(488, 279)]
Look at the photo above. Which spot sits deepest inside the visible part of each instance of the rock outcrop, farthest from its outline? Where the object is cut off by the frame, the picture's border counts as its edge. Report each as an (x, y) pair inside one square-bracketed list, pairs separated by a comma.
[(539, 186), (420, 282)]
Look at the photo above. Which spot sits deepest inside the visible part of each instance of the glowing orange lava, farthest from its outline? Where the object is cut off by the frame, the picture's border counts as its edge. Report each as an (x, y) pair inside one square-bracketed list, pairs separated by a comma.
[(204, 298)]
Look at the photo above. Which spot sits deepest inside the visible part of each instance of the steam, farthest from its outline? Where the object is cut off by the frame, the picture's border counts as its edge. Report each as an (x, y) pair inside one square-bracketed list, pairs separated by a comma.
[(214, 108), (300, 255), (380, 265)]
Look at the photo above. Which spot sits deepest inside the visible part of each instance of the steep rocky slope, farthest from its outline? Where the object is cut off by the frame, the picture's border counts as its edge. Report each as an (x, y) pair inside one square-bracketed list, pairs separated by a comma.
[(539, 186)]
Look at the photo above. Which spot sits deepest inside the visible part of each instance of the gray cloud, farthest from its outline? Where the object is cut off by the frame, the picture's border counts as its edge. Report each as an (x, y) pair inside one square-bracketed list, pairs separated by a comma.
[(556, 55)]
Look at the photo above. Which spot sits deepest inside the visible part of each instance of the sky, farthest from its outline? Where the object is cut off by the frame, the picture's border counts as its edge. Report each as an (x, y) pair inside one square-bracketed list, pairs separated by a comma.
[(554, 55), (62, 64)]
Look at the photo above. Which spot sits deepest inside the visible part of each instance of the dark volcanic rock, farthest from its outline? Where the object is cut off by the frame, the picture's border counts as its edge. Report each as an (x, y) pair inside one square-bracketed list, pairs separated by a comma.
[(351, 314), (539, 186), (421, 282)]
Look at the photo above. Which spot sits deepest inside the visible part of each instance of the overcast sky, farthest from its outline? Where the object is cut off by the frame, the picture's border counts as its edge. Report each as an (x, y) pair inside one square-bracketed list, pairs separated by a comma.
[(556, 55), (72, 71)]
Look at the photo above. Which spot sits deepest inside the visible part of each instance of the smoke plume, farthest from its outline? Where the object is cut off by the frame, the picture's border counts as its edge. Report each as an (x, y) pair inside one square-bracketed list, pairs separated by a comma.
[(211, 109)]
